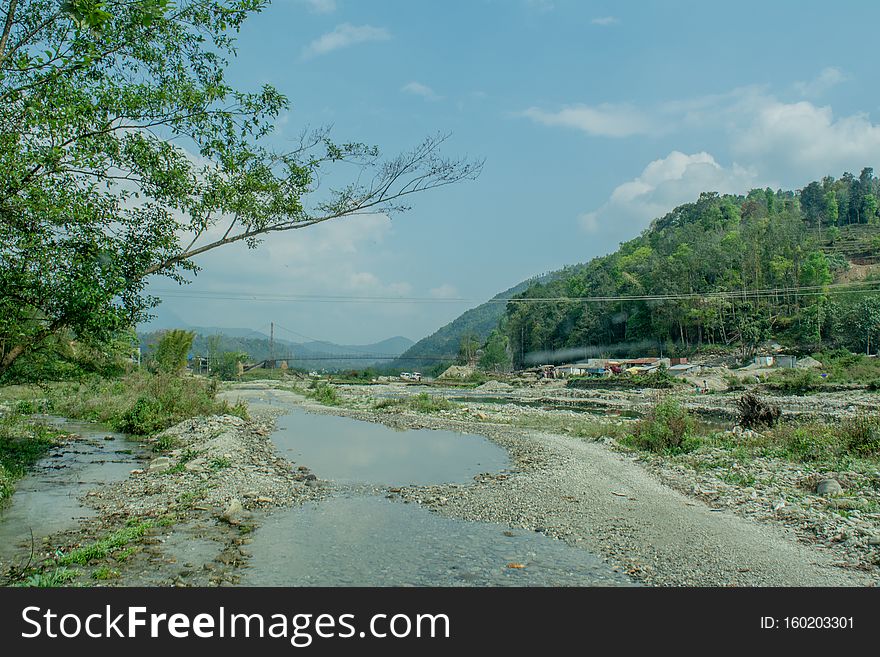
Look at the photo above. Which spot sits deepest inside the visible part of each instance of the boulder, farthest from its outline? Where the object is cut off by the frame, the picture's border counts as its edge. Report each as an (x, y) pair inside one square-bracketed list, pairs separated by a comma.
[(829, 487), (159, 464), (234, 512)]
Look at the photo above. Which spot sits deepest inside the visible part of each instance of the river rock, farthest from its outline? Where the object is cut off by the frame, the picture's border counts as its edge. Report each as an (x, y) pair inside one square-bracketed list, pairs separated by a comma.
[(234, 512), (829, 487), (160, 464), (196, 465)]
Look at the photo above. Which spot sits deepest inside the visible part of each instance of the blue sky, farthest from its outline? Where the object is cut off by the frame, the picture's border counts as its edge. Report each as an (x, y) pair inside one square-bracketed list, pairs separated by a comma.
[(593, 118)]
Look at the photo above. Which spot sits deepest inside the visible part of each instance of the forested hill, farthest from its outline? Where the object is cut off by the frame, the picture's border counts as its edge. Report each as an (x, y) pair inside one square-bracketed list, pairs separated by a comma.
[(726, 269), (477, 322)]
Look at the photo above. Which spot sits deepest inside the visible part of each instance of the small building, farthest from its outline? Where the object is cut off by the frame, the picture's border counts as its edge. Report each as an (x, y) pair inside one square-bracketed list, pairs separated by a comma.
[(764, 361), (684, 369), (677, 361), (571, 369), (786, 361)]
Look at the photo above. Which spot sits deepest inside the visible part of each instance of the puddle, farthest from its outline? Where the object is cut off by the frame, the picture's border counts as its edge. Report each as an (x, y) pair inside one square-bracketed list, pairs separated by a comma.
[(370, 541), (355, 451), (46, 500)]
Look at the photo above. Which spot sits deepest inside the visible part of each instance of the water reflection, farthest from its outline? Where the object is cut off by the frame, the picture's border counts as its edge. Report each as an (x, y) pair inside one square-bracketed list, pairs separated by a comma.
[(348, 450)]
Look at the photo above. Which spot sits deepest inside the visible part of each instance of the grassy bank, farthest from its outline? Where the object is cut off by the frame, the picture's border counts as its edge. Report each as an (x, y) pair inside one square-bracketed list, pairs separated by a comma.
[(140, 404), (22, 443)]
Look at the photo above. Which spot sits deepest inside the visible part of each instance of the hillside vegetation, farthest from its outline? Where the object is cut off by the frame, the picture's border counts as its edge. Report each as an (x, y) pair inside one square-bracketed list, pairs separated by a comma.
[(445, 343), (725, 271)]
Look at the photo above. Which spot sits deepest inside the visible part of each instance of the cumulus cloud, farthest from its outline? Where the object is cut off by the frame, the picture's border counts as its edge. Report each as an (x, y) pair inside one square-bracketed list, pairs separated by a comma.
[(421, 90), (604, 21), (344, 36), (828, 77), (337, 257), (661, 186), (321, 6), (803, 139), (605, 120)]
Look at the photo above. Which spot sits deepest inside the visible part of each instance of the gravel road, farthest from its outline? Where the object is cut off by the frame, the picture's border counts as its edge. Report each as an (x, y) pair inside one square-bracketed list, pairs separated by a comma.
[(588, 494)]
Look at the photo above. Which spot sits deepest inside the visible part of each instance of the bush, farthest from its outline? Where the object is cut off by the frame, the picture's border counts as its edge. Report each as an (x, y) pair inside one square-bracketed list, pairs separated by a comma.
[(667, 428), (172, 350), (227, 365), (324, 393), (797, 381), (425, 403), (862, 435), (812, 442), (142, 404)]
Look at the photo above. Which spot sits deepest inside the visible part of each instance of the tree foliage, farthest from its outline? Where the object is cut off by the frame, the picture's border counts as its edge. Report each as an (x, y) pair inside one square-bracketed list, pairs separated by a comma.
[(724, 270), (125, 153), (172, 350)]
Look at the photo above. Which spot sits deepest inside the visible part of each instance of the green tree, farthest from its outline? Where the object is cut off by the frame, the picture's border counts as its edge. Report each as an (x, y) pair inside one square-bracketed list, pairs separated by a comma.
[(172, 350), (832, 209), (227, 364), (124, 153), (467, 348), (497, 356)]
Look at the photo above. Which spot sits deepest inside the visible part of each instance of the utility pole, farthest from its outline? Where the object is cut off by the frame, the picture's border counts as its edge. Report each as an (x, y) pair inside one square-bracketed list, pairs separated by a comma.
[(272, 344)]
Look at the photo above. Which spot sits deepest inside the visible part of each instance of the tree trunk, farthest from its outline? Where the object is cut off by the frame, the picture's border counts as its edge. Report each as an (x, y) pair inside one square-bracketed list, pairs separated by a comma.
[(10, 357)]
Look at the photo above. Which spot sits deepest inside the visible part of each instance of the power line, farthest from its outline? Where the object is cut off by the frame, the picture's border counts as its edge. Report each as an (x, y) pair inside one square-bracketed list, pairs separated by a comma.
[(800, 291)]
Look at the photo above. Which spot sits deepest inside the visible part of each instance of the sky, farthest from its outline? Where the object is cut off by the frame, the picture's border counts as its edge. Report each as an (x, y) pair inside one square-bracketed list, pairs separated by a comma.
[(592, 117)]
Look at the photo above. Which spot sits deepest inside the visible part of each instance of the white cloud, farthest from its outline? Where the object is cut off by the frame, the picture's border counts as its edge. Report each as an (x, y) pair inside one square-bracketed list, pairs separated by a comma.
[(344, 36), (828, 78), (803, 141), (445, 291), (605, 21), (334, 258), (419, 89), (664, 184), (321, 6), (605, 120)]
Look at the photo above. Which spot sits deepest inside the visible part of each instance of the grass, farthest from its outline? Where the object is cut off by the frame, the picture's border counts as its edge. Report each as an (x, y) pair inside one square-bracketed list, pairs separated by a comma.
[(421, 403), (104, 546), (666, 429), (50, 578), (587, 428), (105, 573), (323, 393), (843, 366), (22, 443), (141, 403), (425, 403), (219, 463), (796, 381)]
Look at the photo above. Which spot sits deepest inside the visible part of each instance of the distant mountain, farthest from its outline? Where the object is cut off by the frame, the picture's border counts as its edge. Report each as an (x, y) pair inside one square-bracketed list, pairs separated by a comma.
[(390, 347), (309, 355), (445, 342)]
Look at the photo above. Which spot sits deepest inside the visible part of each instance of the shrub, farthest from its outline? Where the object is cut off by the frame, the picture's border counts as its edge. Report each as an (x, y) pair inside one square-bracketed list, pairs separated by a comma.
[(142, 403), (324, 393), (425, 403), (862, 435), (666, 428), (172, 350), (812, 442), (797, 381)]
